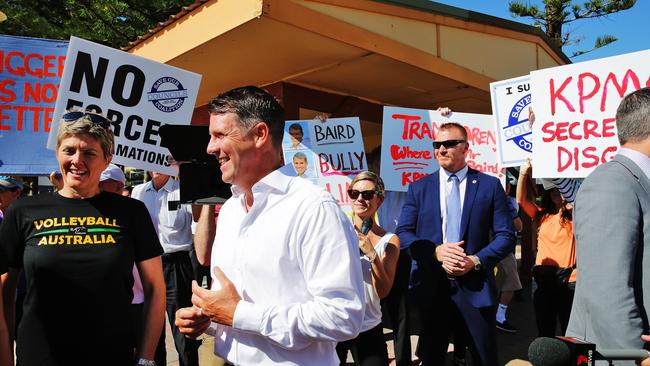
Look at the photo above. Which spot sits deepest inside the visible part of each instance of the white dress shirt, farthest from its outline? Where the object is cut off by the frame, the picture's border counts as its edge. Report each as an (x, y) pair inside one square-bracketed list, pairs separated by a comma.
[(174, 227), (294, 261), (445, 189), (640, 159)]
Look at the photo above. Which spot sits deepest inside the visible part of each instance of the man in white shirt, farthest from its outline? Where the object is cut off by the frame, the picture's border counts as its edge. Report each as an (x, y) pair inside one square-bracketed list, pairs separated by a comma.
[(173, 222), (287, 283)]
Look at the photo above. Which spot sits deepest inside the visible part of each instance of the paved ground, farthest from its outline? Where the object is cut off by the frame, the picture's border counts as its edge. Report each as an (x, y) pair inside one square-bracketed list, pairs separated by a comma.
[(513, 348)]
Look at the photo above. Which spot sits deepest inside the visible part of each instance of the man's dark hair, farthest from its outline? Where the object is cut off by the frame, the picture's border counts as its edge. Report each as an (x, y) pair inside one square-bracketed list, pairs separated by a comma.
[(252, 105), (633, 116), (458, 126), (296, 126)]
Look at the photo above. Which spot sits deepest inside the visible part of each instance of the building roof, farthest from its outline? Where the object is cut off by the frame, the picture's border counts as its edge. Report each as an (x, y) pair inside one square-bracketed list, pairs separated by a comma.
[(411, 53)]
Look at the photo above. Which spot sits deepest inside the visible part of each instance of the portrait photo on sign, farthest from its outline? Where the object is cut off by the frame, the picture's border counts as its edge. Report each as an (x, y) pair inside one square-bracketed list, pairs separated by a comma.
[(303, 163), (296, 136)]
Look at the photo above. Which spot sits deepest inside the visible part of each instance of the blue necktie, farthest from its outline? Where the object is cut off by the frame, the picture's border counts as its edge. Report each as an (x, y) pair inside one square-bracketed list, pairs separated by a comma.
[(452, 231)]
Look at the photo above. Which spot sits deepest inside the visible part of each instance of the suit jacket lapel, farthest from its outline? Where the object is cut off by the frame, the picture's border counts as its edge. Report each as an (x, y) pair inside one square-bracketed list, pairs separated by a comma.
[(435, 189), (471, 186)]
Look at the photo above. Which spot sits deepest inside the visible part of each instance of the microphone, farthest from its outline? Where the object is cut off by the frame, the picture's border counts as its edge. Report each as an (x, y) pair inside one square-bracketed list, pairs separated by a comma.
[(366, 225), (565, 351), (545, 351)]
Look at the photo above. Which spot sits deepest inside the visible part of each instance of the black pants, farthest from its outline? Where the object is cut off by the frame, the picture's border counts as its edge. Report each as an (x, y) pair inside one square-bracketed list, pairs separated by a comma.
[(201, 273), (179, 274), (435, 327), (137, 314), (395, 308), (473, 330), (553, 304), (442, 318), (368, 348)]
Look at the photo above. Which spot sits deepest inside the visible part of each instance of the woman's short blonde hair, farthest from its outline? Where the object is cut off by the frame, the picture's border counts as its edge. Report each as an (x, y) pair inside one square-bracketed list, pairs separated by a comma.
[(372, 177), (84, 125)]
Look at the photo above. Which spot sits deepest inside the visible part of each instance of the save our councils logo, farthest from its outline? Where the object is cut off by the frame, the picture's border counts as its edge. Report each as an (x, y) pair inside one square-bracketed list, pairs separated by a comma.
[(167, 94), (518, 127)]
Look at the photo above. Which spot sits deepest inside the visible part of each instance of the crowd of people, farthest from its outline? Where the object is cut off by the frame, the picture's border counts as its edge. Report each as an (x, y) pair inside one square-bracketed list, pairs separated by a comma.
[(89, 273)]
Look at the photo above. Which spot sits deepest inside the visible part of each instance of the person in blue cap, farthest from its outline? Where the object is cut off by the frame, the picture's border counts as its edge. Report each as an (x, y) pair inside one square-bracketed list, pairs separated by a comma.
[(10, 190)]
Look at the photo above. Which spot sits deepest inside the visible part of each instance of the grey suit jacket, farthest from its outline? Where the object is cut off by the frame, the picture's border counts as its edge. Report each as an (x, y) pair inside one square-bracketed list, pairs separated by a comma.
[(612, 230)]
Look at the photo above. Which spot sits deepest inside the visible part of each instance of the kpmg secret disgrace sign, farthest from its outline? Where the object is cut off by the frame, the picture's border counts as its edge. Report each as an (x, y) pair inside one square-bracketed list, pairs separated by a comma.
[(575, 109), (137, 95)]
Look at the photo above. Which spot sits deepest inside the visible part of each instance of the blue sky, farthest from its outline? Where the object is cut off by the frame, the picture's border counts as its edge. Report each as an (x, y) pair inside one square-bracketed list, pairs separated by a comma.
[(631, 27)]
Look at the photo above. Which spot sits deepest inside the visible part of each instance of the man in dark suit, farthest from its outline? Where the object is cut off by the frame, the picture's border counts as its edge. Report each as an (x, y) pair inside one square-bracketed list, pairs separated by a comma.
[(446, 224)]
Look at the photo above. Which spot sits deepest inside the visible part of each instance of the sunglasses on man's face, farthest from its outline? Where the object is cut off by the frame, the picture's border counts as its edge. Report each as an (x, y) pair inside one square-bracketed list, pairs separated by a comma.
[(447, 143), (94, 118), (366, 195)]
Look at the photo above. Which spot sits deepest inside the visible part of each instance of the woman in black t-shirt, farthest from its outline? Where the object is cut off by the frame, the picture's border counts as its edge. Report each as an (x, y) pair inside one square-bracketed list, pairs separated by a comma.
[(77, 247)]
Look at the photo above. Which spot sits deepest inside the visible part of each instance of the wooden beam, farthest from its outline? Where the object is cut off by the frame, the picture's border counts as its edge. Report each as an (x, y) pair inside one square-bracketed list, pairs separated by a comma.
[(313, 21), (203, 24), (410, 13)]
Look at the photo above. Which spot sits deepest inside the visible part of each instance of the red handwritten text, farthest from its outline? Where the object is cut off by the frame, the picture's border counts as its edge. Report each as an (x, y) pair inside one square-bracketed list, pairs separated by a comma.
[(589, 86)]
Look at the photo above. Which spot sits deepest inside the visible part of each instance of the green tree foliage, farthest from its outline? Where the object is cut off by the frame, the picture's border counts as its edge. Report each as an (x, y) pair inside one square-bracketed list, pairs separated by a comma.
[(111, 22), (556, 13)]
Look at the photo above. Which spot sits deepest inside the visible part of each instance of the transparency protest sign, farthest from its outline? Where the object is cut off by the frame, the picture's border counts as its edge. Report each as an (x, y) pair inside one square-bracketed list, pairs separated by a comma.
[(510, 102), (575, 111), (136, 94), (328, 153), (407, 145), (30, 72)]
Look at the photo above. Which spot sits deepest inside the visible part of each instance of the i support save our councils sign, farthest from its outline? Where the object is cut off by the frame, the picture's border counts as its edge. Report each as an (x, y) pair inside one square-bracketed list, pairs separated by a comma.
[(510, 101), (136, 94)]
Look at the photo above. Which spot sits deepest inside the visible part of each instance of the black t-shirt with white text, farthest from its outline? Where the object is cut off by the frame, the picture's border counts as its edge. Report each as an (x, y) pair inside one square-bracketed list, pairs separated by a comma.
[(78, 256)]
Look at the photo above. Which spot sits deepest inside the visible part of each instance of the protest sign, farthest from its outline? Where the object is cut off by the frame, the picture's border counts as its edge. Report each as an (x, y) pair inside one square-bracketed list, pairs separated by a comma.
[(328, 153), (137, 95), (510, 102), (575, 111), (407, 145), (30, 72)]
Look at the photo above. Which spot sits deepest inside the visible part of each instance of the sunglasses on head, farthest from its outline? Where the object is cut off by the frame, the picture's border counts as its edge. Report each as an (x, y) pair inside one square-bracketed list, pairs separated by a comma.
[(366, 195), (94, 118), (447, 143)]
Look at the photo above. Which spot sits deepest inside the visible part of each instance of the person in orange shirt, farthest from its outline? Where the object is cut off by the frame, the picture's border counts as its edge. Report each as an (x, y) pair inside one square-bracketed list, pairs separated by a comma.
[(556, 255)]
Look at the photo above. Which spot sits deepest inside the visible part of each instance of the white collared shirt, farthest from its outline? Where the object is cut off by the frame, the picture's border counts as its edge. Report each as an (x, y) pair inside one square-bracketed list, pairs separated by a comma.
[(294, 260), (445, 189), (640, 159), (174, 227)]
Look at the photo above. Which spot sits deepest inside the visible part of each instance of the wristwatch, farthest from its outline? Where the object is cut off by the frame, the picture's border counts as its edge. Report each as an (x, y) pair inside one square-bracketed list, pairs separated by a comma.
[(477, 263), (144, 362)]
